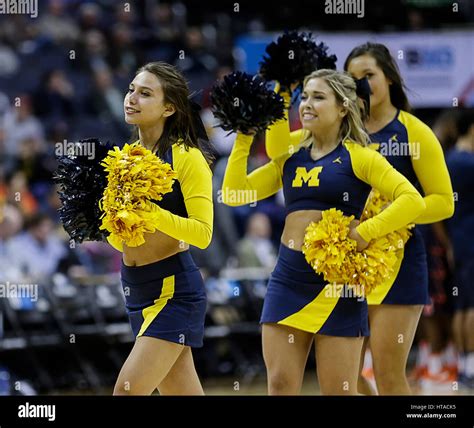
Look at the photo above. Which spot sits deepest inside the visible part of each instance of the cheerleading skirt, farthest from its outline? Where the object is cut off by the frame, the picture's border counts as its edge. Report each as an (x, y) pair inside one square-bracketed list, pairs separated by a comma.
[(166, 299), (298, 297), (408, 284)]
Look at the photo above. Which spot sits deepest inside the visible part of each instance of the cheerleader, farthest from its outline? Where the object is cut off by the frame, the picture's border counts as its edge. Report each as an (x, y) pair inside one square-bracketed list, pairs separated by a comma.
[(163, 288), (331, 168), (412, 148)]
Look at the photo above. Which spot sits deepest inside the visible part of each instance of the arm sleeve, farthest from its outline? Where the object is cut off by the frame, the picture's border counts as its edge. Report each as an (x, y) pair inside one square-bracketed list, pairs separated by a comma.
[(432, 173), (278, 138), (372, 168), (238, 188), (195, 179)]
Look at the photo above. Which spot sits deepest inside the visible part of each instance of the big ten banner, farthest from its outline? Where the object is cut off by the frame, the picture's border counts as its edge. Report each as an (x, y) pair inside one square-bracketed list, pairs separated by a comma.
[(438, 67)]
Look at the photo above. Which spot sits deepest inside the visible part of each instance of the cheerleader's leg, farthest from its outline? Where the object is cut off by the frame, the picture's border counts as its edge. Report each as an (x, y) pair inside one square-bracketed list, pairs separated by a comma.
[(285, 351), (392, 329), (338, 363), (182, 379)]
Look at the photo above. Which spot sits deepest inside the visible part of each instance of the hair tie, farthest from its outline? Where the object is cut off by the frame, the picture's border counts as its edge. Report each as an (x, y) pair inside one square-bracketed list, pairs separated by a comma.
[(363, 91)]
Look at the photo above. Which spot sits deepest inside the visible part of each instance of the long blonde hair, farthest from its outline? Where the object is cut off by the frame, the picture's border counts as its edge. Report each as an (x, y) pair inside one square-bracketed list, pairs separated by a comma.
[(344, 88)]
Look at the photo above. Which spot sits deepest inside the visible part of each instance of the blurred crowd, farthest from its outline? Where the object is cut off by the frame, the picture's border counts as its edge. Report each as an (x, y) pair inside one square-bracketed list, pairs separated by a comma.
[(63, 76)]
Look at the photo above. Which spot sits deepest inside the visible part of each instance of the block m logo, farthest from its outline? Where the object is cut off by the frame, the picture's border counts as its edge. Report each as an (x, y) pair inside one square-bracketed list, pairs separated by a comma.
[(310, 177)]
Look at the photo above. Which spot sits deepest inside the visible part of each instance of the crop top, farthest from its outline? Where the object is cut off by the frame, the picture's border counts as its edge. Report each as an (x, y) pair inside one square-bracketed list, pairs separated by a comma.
[(186, 213), (341, 179), (408, 144)]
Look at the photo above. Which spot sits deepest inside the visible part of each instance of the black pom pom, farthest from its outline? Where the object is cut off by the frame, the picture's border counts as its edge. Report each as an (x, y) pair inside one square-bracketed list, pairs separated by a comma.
[(323, 59), (243, 103), (293, 56), (82, 181)]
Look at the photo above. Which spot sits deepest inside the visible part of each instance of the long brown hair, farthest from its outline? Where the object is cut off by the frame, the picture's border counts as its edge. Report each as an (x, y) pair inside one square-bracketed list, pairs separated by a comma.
[(181, 124), (390, 69)]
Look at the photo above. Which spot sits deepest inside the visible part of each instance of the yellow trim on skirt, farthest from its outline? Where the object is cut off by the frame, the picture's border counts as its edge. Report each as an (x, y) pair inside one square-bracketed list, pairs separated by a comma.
[(151, 312), (312, 316)]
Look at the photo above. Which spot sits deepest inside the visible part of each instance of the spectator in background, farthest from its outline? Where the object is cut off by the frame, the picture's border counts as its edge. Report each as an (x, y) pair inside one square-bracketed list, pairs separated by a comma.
[(16, 192), (445, 128), (90, 16), (6, 116), (460, 162), (124, 56), (255, 249), (55, 98), (93, 51), (436, 363), (105, 101), (163, 24), (195, 58), (57, 24), (22, 125), (9, 61), (11, 222), (125, 14), (37, 252)]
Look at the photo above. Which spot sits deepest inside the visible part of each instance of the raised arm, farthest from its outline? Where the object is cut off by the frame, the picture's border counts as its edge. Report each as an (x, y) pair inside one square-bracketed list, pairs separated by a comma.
[(407, 204), (240, 188), (278, 138)]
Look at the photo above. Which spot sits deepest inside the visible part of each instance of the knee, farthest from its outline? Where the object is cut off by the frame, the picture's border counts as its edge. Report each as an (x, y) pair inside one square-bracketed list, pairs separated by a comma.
[(390, 379), (282, 382)]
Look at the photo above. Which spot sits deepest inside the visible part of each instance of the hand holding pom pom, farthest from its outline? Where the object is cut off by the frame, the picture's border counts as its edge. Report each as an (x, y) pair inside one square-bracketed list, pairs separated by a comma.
[(292, 57), (135, 176), (243, 103), (361, 242), (341, 255), (326, 246)]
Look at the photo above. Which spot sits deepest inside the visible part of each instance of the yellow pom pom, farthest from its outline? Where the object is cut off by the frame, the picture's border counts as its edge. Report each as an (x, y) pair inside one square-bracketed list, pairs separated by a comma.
[(326, 245), (135, 176), (331, 253)]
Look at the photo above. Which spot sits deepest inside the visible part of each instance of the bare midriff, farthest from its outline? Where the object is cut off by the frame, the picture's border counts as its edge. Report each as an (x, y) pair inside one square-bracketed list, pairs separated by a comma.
[(296, 224), (157, 246)]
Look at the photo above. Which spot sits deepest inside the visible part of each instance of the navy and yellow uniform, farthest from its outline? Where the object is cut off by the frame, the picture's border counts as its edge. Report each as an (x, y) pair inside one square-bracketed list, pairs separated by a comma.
[(166, 299), (296, 295), (461, 225), (412, 148)]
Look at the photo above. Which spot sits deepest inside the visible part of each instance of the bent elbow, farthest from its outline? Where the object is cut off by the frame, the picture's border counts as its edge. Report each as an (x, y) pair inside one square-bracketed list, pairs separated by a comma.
[(205, 239), (420, 204), (449, 207)]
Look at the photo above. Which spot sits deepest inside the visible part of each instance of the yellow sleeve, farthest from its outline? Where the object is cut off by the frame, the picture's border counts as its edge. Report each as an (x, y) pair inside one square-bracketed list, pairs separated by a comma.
[(407, 204), (278, 138), (195, 179), (431, 170), (238, 188), (115, 242)]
